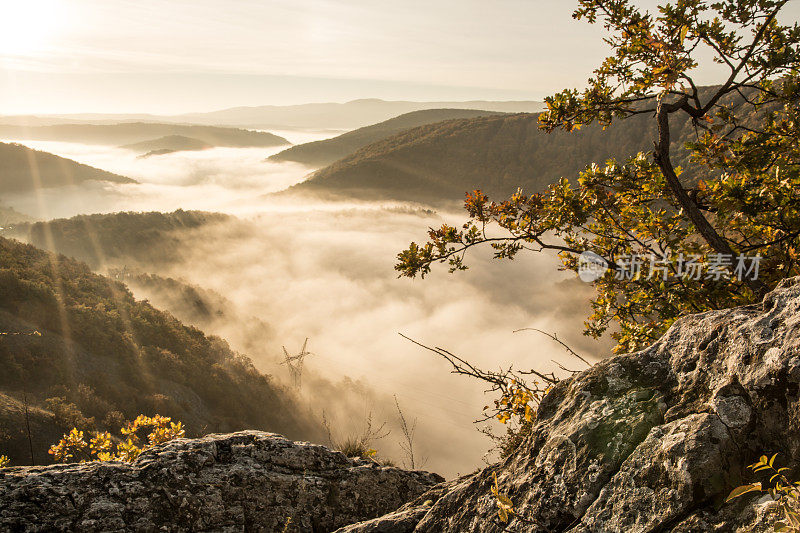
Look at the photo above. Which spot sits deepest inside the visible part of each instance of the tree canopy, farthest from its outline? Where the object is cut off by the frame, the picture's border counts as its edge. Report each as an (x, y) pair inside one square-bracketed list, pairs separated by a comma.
[(675, 240)]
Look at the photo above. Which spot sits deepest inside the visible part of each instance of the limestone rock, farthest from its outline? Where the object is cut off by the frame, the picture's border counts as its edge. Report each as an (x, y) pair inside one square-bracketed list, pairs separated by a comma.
[(246, 481), (648, 441)]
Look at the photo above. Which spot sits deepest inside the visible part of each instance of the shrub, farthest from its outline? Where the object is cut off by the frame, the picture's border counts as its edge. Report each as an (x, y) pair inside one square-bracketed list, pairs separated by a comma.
[(139, 435), (357, 445), (784, 491)]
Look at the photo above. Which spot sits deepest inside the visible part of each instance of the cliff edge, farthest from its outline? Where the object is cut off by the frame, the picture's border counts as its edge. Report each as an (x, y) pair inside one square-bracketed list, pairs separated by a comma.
[(651, 441), (246, 481)]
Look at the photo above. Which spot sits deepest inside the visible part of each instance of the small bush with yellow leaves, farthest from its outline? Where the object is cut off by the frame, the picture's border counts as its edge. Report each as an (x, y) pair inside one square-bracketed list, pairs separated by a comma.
[(137, 436), (784, 491)]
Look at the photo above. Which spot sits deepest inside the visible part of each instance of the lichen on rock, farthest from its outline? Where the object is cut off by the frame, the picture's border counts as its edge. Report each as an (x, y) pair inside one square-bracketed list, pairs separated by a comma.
[(648, 441), (246, 481)]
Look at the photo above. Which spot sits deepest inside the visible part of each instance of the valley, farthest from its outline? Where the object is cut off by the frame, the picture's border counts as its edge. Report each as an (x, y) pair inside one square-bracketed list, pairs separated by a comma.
[(266, 247), (264, 271)]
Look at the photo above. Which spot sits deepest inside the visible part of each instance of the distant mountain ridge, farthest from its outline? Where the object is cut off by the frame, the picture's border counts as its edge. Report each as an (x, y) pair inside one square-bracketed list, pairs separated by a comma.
[(25, 169), (325, 152), (350, 115), (137, 132), (497, 154), (329, 115)]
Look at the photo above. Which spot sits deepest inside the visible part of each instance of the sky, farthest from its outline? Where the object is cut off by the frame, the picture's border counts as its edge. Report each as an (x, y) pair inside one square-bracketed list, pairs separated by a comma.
[(168, 57)]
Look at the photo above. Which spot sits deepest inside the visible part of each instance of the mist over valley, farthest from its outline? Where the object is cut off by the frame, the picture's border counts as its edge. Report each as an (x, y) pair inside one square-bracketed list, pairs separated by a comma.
[(270, 271)]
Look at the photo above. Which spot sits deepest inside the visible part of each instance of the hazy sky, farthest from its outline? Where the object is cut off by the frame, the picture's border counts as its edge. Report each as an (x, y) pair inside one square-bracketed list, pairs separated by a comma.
[(193, 55)]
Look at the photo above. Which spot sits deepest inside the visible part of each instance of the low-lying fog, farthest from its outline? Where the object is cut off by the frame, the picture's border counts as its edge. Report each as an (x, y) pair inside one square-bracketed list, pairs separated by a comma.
[(324, 271)]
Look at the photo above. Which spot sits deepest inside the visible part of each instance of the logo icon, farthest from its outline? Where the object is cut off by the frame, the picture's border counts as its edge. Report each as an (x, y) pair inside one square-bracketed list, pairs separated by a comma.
[(591, 266)]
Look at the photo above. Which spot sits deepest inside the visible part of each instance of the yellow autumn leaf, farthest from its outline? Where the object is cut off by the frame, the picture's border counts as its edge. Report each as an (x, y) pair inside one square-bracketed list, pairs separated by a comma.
[(502, 514), (743, 489)]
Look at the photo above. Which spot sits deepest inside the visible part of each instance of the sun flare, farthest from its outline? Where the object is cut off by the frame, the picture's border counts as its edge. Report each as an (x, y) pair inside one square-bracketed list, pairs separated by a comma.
[(28, 27)]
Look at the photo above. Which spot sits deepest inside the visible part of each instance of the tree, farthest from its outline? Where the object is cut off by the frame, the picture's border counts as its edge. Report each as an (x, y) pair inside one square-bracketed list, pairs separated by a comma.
[(718, 233)]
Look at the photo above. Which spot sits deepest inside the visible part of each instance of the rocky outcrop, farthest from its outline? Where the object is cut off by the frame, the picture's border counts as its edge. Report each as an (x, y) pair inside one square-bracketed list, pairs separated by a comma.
[(247, 481), (645, 442), (651, 441)]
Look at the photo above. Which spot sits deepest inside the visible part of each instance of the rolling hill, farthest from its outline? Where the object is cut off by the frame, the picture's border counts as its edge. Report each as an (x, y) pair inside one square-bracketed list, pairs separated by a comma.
[(321, 153), (137, 132), (24, 169), (496, 154), (440, 162), (168, 144), (78, 350), (119, 239)]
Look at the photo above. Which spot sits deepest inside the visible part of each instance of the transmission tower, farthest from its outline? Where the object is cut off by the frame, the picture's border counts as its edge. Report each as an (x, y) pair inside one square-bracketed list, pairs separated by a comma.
[(295, 363)]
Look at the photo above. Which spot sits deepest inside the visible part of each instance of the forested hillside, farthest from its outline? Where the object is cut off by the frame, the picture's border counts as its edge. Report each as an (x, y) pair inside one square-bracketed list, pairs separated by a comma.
[(203, 308), (24, 169), (10, 216), (118, 239), (168, 143), (78, 350), (497, 154), (321, 153), (135, 132), (130, 247)]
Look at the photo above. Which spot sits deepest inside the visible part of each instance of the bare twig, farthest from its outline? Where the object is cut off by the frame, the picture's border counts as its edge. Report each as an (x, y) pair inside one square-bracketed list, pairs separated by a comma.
[(503, 381), (28, 422), (407, 445), (554, 337)]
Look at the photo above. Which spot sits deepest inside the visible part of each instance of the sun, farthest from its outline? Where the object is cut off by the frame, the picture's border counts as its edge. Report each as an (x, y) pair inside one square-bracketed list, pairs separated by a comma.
[(27, 27)]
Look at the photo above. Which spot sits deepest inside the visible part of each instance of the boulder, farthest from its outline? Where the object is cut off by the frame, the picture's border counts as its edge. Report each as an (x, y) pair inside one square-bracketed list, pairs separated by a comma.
[(648, 441), (246, 481)]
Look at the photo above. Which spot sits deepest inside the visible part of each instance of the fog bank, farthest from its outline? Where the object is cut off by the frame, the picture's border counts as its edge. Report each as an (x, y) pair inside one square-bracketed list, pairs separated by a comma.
[(292, 269)]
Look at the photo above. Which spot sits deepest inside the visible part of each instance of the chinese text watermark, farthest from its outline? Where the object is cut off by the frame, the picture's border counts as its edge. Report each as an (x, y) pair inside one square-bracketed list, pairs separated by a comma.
[(592, 266)]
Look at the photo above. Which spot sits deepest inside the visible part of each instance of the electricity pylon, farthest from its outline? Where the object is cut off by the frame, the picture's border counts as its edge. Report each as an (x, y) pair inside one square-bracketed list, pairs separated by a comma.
[(295, 363)]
